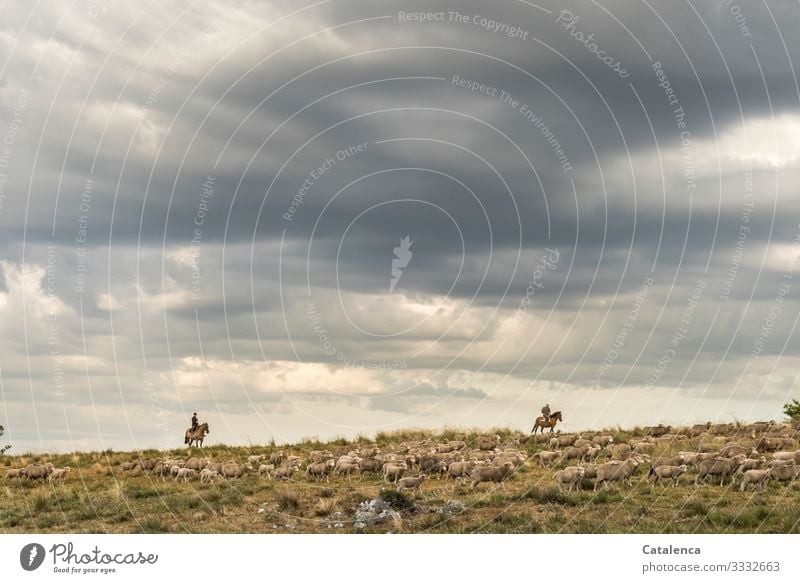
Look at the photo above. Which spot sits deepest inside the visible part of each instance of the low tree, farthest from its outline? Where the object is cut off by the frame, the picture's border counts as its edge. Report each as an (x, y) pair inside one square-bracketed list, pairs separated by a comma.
[(792, 410)]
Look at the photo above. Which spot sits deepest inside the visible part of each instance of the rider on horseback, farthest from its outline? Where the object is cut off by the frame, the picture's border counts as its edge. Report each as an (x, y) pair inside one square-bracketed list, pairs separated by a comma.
[(546, 412), (195, 423)]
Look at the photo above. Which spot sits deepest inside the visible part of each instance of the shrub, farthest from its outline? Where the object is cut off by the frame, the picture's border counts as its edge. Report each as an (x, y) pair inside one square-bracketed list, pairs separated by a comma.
[(792, 410), (325, 507), (397, 500), (287, 499)]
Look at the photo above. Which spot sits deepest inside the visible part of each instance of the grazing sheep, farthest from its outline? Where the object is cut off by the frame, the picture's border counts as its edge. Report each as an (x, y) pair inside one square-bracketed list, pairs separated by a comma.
[(266, 470), (734, 450), (658, 430), (347, 469), (676, 460), (207, 475), (571, 476), (319, 470), (276, 457), (174, 469), (699, 429), (393, 471), (410, 483), (185, 474), (196, 463), (491, 474), (370, 465), (432, 465), (128, 466), (481, 456), (752, 464), (718, 466), (161, 470), (590, 472), (37, 471), (581, 442), (255, 459), (546, 457), (757, 477), (284, 472), (369, 451), (232, 470), (58, 474), (722, 428), (593, 453), (786, 473), (787, 455), (575, 453), (460, 469), (566, 440), (15, 473), (616, 471), (148, 464), (668, 472), (603, 440), (320, 456), (486, 443), (776, 463), (774, 443)]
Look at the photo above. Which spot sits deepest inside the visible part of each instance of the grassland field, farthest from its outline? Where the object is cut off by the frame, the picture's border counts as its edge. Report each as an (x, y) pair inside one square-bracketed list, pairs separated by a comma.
[(97, 497)]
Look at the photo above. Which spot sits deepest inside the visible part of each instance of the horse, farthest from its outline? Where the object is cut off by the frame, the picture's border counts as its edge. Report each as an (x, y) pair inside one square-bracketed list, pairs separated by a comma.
[(551, 423), (197, 435)]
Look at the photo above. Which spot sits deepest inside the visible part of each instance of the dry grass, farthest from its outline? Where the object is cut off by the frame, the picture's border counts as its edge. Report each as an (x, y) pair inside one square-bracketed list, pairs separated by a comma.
[(97, 497)]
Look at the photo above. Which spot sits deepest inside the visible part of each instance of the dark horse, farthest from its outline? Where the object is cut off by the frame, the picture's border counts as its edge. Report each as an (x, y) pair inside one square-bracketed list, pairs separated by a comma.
[(196, 435), (551, 423)]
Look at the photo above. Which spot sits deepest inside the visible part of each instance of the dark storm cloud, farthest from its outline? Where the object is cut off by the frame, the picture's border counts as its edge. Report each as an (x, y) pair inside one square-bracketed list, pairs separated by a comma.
[(210, 177)]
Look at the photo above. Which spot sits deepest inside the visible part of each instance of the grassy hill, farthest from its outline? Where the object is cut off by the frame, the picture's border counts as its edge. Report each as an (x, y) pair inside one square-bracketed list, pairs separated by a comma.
[(97, 497)]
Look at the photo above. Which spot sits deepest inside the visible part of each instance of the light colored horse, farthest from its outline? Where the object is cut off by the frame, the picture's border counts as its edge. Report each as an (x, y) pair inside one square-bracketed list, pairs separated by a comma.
[(197, 435), (542, 423)]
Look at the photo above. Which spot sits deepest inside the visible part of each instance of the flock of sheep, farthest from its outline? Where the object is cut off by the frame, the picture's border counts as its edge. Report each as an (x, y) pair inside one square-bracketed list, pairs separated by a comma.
[(488, 461), (724, 451), (46, 472)]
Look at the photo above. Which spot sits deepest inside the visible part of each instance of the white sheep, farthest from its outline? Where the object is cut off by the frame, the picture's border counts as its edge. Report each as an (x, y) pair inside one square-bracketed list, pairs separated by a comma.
[(571, 476), (266, 470), (185, 474), (207, 475), (668, 472), (58, 474), (410, 483), (546, 457), (254, 459), (757, 477)]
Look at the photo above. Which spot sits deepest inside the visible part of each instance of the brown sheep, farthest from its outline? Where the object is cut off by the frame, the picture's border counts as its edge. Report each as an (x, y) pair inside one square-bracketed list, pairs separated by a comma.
[(410, 483), (491, 474), (718, 466)]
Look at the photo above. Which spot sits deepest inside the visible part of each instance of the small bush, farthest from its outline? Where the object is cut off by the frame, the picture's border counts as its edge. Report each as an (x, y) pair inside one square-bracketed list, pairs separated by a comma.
[(397, 500), (40, 503), (287, 499), (325, 507)]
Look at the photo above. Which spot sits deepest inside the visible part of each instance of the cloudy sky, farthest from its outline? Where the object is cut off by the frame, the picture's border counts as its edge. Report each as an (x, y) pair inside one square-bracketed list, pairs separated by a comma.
[(340, 217)]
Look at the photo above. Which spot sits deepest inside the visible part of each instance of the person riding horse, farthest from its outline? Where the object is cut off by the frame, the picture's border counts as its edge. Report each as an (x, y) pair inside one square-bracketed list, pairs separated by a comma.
[(546, 412), (195, 422)]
